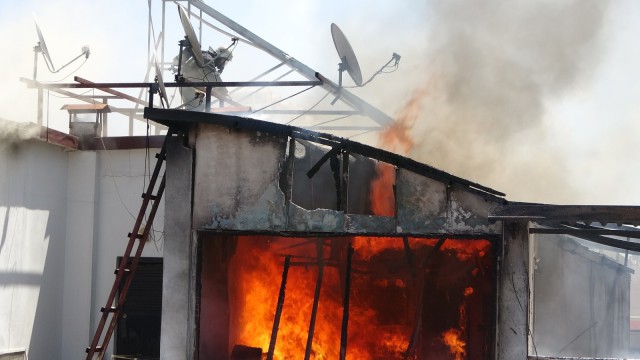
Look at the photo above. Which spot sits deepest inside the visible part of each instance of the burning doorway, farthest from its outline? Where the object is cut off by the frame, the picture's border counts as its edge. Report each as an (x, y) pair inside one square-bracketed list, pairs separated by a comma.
[(396, 310)]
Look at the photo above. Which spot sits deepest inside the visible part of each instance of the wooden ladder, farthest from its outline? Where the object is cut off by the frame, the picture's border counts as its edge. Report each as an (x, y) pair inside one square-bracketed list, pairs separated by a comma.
[(128, 264)]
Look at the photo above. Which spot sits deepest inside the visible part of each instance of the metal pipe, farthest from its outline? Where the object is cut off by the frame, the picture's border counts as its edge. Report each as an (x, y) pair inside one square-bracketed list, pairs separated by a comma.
[(31, 83), (345, 306), (276, 320), (257, 90), (316, 300), (261, 75)]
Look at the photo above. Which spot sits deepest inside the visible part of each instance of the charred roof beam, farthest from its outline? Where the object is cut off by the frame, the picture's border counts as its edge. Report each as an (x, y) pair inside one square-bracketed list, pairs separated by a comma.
[(603, 214)]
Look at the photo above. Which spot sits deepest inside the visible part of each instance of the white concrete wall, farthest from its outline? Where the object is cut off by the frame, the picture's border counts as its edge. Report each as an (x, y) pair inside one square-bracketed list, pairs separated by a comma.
[(81, 186), (64, 217), (33, 184)]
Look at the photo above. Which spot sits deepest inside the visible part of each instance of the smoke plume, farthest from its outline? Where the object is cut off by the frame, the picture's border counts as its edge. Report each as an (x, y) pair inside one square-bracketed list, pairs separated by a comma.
[(491, 69), (13, 132)]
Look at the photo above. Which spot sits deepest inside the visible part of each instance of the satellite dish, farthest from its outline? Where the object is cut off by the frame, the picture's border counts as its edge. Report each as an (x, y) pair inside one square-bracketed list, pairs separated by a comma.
[(191, 36), (348, 58), (162, 88), (43, 46)]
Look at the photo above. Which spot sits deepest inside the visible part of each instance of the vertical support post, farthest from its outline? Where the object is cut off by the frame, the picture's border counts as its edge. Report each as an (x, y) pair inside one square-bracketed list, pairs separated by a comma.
[(288, 191), (344, 182), (163, 32), (131, 124), (40, 94), (316, 299), (151, 92), (409, 256), (276, 320), (207, 99), (345, 306), (417, 327), (149, 22), (288, 194), (105, 120), (513, 293), (36, 49)]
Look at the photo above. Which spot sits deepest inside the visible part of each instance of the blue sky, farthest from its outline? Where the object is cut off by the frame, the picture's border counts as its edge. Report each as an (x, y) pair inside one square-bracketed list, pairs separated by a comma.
[(586, 129)]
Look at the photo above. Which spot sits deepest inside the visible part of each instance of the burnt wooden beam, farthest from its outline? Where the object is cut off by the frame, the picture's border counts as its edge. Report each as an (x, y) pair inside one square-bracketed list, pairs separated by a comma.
[(409, 254), (276, 320), (604, 214), (417, 326), (345, 306), (172, 116), (328, 155), (595, 235), (316, 300)]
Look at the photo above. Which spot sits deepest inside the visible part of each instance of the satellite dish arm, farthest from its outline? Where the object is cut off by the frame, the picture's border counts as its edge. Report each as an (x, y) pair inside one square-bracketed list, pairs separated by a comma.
[(85, 53), (395, 57)]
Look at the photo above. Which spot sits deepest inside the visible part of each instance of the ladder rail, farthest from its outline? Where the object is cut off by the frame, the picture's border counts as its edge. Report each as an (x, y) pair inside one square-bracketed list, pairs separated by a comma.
[(133, 267), (121, 272)]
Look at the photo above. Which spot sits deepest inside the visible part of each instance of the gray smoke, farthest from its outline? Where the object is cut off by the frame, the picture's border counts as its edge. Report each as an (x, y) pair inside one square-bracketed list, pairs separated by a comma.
[(13, 132), (491, 69)]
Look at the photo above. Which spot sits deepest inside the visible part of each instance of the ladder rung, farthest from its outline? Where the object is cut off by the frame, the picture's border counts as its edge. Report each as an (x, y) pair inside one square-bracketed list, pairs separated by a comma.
[(151, 197), (126, 271), (160, 156), (98, 349), (138, 236), (111, 309)]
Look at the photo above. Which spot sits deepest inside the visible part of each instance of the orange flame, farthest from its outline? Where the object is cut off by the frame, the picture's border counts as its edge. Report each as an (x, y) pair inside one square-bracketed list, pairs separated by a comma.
[(382, 198), (452, 338), (468, 291), (397, 136), (257, 287)]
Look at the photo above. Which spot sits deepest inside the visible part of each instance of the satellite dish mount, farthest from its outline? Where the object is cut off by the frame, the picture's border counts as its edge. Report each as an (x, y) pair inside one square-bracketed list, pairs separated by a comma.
[(41, 48), (190, 40), (349, 62)]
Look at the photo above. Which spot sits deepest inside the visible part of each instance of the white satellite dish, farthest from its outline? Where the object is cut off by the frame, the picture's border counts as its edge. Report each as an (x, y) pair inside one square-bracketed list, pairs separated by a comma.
[(42, 48), (191, 36), (160, 80), (348, 60)]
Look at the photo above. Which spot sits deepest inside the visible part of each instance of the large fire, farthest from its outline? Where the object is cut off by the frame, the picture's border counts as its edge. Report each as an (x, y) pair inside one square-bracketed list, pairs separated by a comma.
[(383, 297), (388, 274)]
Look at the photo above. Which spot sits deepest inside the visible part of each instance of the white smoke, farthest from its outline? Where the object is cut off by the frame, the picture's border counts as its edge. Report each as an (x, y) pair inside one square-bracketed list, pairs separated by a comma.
[(491, 71)]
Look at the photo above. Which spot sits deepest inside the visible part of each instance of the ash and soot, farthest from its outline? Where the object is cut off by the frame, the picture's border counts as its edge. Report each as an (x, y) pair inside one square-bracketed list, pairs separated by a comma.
[(491, 70)]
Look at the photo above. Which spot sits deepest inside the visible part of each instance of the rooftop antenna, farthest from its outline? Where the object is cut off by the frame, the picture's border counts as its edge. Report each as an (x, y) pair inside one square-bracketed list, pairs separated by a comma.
[(161, 88), (190, 40), (41, 47), (349, 62)]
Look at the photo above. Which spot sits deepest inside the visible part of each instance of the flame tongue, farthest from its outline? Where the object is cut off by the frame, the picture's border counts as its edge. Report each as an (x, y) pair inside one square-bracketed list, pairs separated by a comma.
[(452, 338)]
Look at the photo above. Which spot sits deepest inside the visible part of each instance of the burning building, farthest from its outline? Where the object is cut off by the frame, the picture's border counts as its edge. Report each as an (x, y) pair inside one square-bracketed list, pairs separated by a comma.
[(294, 247), (285, 243), (295, 226)]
